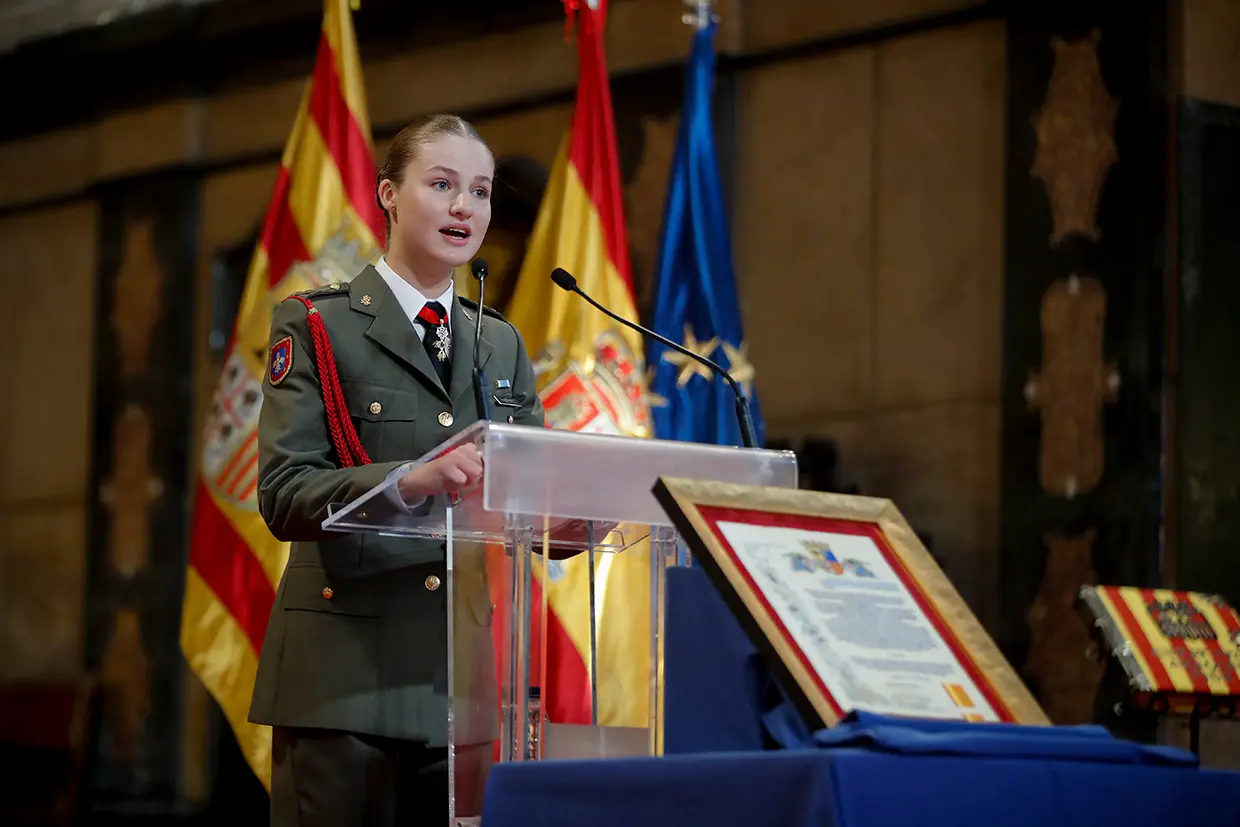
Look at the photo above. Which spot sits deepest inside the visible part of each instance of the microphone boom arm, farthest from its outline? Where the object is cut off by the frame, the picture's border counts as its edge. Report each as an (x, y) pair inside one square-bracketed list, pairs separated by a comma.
[(743, 416)]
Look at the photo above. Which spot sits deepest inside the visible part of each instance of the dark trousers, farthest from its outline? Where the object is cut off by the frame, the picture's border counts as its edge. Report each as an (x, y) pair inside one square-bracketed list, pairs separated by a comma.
[(324, 777)]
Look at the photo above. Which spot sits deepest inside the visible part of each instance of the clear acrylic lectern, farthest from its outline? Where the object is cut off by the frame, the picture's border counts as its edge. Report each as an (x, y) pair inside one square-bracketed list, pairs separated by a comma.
[(546, 495)]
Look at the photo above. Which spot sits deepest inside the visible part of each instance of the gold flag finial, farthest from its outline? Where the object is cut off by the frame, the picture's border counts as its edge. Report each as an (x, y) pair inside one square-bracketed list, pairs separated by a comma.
[(701, 13)]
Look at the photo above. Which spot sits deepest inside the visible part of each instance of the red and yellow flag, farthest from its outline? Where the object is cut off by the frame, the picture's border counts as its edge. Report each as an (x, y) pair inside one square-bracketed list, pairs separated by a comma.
[(1171, 643), (591, 378), (322, 224)]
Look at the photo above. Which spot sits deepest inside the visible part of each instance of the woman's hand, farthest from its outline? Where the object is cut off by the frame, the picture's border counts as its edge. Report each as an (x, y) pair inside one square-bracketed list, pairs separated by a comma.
[(456, 470)]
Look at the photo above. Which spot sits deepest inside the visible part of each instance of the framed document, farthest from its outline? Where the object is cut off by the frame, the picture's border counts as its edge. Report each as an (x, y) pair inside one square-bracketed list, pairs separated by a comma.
[(847, 606), (1180, 650)]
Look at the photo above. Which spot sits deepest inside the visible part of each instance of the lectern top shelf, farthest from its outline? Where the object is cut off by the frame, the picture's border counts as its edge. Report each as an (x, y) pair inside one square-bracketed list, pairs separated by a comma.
[(536, 473)]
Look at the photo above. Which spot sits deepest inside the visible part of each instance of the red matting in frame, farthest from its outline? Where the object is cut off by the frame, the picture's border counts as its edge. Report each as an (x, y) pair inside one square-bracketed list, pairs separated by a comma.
[(713, 515)]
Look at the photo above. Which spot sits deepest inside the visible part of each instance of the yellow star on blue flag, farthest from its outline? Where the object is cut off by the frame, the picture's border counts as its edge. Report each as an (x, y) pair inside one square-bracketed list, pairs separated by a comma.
[(688, 367)]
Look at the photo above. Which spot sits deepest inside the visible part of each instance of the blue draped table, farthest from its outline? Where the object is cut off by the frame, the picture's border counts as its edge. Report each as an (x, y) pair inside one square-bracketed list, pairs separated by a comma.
[(855, 788), (869, 770)]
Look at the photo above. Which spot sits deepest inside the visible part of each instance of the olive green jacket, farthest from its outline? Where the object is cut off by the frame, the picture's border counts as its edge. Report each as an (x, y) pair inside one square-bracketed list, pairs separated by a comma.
[(357, 638)]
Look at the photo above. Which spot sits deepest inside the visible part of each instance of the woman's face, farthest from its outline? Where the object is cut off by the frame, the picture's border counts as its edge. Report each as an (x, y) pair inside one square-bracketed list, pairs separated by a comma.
[(440, 213)]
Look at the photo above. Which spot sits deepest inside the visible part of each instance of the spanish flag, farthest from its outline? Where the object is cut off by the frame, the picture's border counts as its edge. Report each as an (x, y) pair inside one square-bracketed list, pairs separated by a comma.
[(591, 378), (323, 224)]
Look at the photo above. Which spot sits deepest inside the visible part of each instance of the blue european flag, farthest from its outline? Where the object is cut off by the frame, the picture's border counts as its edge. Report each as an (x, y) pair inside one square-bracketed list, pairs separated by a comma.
[(695, 300)]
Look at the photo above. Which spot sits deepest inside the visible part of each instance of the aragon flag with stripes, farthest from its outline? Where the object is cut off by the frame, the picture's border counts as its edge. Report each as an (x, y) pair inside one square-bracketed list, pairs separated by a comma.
[(323, 224), (591, 378)]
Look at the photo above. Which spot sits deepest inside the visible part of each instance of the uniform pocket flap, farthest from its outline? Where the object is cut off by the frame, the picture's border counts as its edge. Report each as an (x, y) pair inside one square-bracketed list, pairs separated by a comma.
[(376, 403), (310, 589), (509, 400)]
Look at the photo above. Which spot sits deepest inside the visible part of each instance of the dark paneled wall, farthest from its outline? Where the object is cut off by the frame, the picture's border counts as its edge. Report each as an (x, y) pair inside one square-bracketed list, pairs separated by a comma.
[(1207, 467), (139, 514), (1082, 340)]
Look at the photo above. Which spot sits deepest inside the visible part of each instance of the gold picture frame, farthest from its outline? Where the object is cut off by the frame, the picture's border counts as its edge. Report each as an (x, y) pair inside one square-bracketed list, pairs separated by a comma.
[(900, 569)]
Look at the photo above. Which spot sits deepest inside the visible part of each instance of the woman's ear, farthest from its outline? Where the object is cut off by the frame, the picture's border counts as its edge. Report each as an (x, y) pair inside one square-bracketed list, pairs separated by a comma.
[(387, 196)]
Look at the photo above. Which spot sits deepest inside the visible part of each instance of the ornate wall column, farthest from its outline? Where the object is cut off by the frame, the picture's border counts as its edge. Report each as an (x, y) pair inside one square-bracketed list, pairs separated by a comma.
[(139, 514), (1082, 340)]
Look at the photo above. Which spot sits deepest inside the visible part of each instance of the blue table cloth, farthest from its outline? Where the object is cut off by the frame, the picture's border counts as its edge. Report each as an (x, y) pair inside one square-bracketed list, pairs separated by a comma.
[(714, 680), (723, 708), (853, 787)]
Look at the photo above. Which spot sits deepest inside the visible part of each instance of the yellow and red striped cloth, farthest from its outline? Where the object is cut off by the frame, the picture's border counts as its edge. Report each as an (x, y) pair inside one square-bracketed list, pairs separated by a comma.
[(324, 194), (1176, 644)]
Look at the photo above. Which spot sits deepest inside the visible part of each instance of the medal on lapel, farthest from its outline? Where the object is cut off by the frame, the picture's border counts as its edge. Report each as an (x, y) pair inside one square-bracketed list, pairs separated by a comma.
[(435, 320), (443, 342)]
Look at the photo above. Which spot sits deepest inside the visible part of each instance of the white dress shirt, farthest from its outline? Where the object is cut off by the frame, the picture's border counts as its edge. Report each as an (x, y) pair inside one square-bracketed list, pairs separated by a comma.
[(411, 299)]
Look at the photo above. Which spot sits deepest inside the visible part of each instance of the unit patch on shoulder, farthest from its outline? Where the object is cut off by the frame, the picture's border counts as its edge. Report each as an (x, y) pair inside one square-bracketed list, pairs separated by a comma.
[(280, 361)]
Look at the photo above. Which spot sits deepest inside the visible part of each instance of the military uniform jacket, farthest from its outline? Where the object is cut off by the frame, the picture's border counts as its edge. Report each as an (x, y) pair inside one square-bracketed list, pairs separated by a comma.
[(357, 637)]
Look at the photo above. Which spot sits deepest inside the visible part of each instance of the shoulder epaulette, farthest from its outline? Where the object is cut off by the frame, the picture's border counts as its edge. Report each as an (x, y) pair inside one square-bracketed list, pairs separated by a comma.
[(486, 308), (336, 288)]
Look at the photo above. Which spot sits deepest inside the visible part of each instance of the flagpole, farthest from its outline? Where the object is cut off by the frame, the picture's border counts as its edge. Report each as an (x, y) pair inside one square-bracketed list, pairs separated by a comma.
[(592, 5)]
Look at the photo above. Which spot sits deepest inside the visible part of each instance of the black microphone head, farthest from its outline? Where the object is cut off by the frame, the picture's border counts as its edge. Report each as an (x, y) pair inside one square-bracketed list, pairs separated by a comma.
[(564, 279), (479, 268)]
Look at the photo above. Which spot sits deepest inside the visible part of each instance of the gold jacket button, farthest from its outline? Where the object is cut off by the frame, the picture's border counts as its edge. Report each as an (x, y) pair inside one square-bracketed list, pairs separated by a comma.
[(432, 583), (327, 592), (445, 419), (376, 408)]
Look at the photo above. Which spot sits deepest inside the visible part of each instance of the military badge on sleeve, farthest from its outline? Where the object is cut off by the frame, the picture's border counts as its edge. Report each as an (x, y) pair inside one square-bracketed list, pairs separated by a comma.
[(280, 361)]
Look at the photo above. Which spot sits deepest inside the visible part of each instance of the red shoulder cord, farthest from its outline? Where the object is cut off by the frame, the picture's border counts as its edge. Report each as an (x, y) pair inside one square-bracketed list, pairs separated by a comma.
[(339, 424)]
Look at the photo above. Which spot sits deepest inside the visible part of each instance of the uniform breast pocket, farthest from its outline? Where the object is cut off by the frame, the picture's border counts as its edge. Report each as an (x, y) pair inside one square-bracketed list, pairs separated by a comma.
[(503, 396), (385, 419)]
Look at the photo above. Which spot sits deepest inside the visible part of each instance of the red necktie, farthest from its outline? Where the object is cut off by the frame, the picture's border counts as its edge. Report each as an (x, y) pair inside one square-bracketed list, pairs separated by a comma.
[(436, 339)]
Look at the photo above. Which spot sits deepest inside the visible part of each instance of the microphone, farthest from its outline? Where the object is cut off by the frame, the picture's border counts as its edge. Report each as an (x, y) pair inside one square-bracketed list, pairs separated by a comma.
[(479, 269), (565, 281)]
